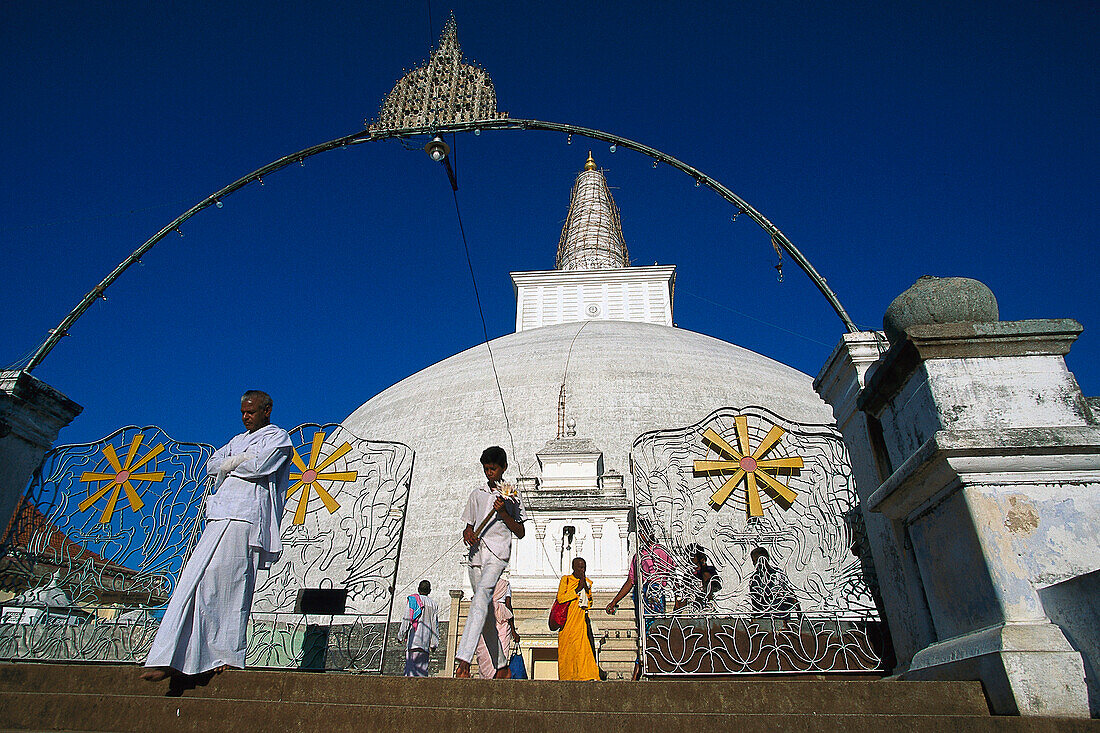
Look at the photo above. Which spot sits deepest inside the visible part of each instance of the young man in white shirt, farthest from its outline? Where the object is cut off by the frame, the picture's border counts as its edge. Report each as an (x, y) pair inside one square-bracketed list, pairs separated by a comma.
[(496, 511)]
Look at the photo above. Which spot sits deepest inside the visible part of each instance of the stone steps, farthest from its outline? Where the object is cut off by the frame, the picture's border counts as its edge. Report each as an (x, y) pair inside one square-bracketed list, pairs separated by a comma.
[(112, 698)]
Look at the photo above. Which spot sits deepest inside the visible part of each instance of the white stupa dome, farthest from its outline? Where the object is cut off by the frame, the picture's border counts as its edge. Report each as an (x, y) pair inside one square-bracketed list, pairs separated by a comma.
[(623, 379)]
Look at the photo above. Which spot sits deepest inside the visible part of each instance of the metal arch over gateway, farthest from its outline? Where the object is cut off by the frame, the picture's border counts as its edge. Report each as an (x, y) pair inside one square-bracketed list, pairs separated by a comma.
[(442, 95)]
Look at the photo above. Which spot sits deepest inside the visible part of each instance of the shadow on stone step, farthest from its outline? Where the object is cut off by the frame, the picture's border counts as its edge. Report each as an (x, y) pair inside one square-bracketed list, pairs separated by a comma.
[(178, 684)]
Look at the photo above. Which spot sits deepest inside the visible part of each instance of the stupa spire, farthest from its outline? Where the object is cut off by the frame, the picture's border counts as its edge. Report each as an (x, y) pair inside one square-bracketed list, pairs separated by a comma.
[(592, 238)]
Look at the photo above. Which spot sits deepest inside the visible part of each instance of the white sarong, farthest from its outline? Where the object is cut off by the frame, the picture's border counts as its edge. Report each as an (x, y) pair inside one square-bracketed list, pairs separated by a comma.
[(206, 620)]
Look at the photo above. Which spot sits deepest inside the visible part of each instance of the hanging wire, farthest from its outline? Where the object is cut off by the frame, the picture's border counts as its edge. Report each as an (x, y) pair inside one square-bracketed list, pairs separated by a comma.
[(752, 318), (485, 331), (454, 158), (21, 362), (401, 132), (416, 578), (496, 378), (492, 362)]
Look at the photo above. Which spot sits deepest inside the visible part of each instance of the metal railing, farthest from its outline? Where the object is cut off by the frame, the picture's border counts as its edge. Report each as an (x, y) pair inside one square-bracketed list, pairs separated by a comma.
[(103, 530)]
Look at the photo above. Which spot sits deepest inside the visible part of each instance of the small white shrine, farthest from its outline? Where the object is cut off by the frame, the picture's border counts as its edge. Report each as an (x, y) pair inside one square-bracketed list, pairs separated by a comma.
[(576, 509)]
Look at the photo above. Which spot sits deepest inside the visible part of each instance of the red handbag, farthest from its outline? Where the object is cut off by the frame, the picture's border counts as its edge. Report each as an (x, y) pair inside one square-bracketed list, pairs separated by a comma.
[(558, 613)]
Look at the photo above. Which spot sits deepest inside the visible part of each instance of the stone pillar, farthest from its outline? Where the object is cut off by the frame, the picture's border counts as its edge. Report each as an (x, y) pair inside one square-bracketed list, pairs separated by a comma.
[(527, 485), (454, 632), (901, 594), (611, 483), (990, 479), (31, 415), (600, 565), (540, 554)]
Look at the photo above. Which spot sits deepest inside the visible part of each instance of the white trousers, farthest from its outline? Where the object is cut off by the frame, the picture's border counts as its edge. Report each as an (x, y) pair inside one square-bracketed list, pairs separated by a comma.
[(206, 620), (481, 622)]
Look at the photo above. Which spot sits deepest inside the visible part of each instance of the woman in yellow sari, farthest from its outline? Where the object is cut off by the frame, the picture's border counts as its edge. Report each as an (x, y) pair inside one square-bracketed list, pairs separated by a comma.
[(576, 652)]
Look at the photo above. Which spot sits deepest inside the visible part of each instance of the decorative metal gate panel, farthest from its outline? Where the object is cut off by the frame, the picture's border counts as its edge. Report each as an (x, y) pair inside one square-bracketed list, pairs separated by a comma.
[(753, 555), (97, 541), (95, 547), (344, 519)]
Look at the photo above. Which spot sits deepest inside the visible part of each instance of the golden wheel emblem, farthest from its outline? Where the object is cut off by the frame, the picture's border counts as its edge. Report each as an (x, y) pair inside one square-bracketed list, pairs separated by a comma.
[(310, 476), (122, 478), (749, 466)]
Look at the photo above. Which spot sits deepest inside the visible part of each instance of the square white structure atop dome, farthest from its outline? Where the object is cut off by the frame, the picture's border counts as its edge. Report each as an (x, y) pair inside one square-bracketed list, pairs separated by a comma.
[(550, 297)]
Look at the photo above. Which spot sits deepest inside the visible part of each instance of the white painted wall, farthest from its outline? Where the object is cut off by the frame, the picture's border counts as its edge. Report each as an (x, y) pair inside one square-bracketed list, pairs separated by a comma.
[(638, 294)]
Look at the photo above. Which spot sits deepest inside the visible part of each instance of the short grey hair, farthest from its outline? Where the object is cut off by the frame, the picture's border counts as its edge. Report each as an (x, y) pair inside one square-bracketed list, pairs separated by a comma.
[(261, 398)]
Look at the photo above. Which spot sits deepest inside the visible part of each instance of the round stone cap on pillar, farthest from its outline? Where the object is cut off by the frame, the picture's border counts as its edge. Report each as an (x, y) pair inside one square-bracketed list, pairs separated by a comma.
[(939, 300)]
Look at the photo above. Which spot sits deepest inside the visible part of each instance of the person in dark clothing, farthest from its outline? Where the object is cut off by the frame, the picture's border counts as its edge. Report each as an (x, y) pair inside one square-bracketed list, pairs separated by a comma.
[(770, 592)]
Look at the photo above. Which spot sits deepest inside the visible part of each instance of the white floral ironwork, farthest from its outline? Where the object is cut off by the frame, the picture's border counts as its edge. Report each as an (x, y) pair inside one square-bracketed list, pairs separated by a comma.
[(727, 591), (104, 528), (107, 522)]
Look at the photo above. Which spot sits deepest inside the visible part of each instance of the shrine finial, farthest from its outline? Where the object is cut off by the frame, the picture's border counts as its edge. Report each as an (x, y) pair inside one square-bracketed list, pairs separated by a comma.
[(443, 90)]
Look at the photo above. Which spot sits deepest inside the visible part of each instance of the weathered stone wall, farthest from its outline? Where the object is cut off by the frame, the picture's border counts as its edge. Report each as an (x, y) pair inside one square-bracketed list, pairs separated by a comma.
[(1074, 605), (31, 414), (966, 394), (987, 462), (904, 606)]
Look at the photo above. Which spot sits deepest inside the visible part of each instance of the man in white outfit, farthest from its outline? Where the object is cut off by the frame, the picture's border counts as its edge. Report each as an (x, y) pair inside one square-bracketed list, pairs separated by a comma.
[(420, 627), (204, 626), (490, 551)]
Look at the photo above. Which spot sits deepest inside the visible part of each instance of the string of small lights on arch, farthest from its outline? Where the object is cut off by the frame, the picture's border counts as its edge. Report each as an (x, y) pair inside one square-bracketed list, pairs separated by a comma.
[(440, 96)]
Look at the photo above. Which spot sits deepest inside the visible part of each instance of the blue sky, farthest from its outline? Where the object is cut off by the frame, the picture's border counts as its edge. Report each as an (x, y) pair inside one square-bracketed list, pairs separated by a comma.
[(887, 140)]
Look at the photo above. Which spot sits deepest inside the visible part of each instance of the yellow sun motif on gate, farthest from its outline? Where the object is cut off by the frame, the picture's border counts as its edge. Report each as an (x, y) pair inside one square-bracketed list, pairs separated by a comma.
[(752, 467), (310, 474), (122, 479)]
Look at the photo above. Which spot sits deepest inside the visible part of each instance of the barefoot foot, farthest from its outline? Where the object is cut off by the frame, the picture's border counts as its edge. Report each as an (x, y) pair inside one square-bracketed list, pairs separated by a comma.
[(223, 668), (156, 674)]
